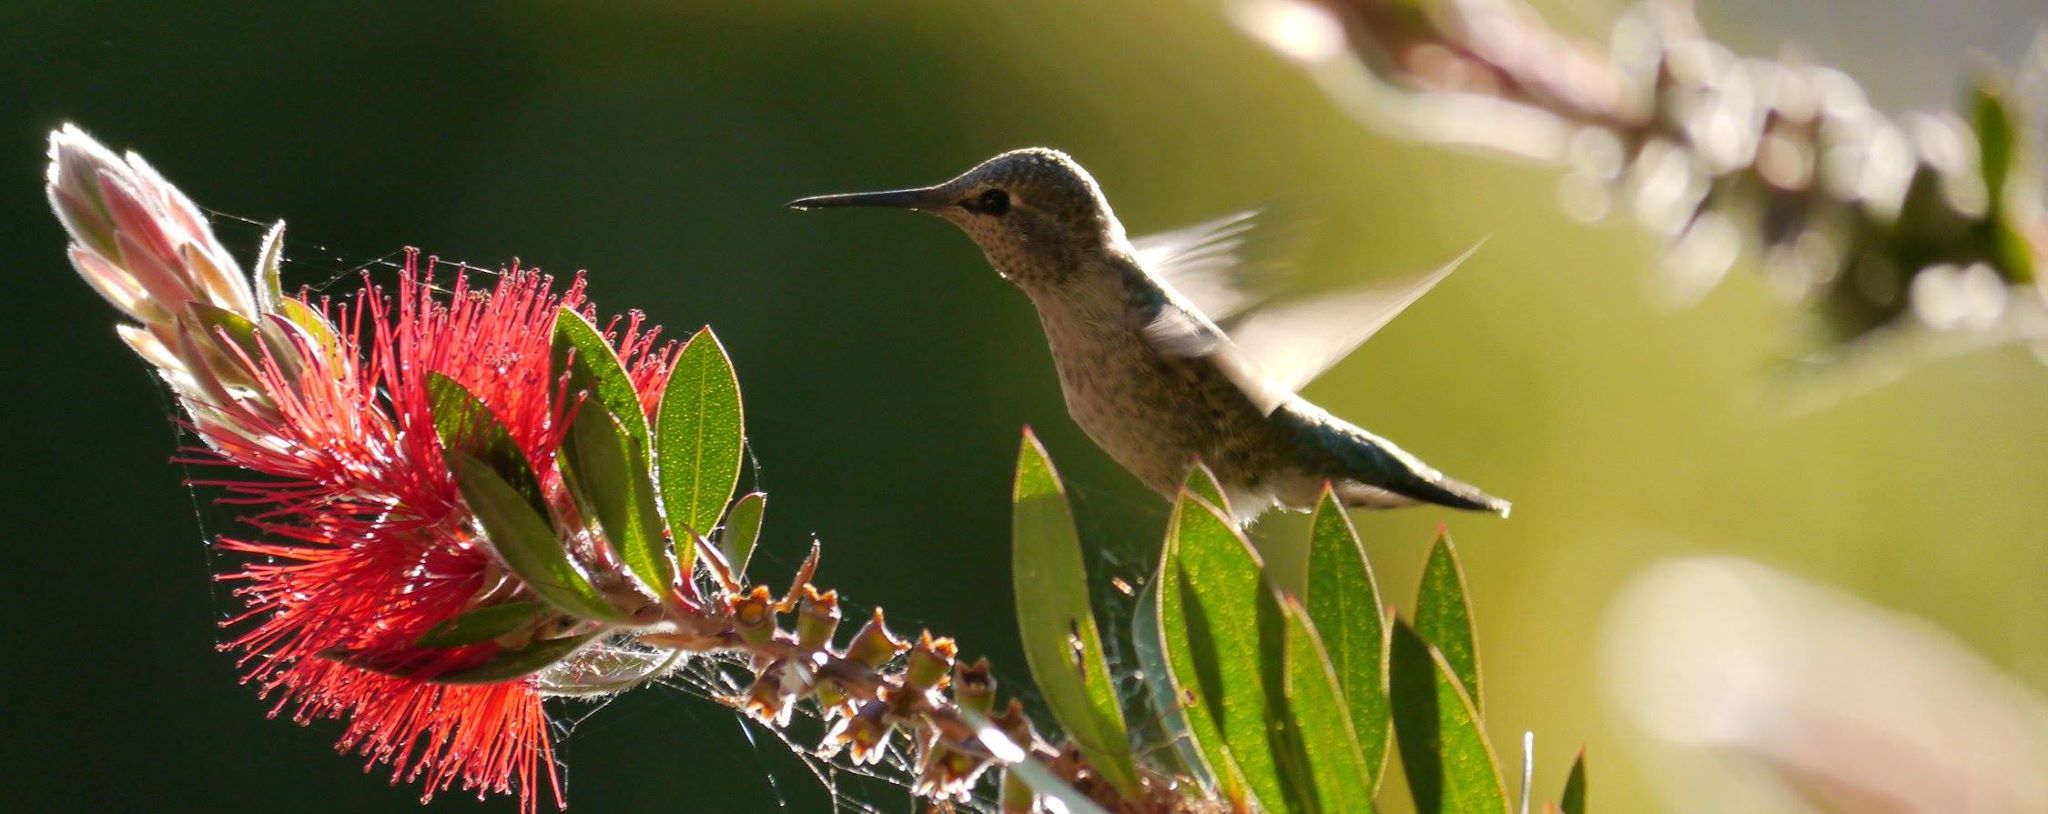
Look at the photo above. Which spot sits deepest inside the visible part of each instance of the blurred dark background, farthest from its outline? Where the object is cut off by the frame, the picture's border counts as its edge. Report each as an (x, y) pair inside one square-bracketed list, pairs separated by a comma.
[(887, 371)]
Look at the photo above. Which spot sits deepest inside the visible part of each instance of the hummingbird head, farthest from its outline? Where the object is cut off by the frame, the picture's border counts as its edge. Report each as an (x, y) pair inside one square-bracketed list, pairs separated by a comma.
[(1035, 212)]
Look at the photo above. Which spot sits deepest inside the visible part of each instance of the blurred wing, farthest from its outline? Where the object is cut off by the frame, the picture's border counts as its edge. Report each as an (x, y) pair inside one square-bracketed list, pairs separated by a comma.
[(1292, 343), (1221, 266), (1177, 330)]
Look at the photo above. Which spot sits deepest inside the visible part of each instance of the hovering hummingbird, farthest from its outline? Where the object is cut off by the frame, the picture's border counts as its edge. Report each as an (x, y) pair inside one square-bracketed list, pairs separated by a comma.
[(1146, 371)]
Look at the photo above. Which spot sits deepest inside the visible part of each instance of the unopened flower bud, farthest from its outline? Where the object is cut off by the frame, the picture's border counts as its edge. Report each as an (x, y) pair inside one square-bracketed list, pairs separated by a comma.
[(874, 646), (817, 618), (930, 662), (754, 615), (768, 700), (833, 702), (866, 731), (974, 687), (946, 773)]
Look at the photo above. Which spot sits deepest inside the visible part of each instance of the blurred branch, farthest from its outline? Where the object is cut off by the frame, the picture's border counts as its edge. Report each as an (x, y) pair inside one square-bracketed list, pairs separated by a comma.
[(1927, 224), (1759, 691)]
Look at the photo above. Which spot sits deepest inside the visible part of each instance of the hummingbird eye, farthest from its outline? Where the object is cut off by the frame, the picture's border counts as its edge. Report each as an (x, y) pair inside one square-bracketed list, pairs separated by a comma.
[(992, 202)]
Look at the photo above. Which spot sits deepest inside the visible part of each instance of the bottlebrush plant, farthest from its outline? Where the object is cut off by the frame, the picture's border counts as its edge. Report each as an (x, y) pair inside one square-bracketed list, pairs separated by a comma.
[(1928, 226), (458, 500)]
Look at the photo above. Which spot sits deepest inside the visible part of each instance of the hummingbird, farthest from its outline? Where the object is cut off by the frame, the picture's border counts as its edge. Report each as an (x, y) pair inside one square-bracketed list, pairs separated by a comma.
[(1147, 372)]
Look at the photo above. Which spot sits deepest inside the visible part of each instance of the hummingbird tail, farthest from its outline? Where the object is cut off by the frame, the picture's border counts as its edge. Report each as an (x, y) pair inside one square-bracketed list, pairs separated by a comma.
[(1378, 474), (1440, 490)]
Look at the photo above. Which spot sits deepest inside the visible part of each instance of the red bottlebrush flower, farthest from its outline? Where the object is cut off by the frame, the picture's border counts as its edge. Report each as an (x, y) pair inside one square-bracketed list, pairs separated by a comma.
[(320, 421), (365, 543)]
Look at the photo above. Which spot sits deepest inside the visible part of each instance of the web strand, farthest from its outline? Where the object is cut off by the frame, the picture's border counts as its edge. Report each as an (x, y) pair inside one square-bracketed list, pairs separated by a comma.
[(350, 266)]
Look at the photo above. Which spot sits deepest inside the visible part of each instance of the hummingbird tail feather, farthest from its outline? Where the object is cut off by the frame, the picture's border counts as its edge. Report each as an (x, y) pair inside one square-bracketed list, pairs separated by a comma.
[(1439, 490), (1375, 473)]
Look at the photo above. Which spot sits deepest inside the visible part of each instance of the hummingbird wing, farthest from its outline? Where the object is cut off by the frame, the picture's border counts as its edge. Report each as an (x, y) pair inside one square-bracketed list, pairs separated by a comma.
[(1272, 353), (1293, 343), (1226, 265), (1177, 329)]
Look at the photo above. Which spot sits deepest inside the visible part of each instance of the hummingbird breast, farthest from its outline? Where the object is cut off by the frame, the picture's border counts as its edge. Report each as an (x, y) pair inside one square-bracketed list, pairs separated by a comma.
[(1152, 413)]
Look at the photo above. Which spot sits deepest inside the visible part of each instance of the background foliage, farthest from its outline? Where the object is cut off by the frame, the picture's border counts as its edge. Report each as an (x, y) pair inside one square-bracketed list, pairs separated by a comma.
[(887, 370)]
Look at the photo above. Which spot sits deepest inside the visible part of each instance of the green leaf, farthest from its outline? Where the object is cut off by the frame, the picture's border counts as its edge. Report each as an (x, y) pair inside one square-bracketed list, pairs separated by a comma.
[(314, 324), (467, 426), (1574, 800), (237, 328), (480, 624), (511, 664), (1164, 697), (1995, 124), (501, 489), (1181, 671), (1211, 588), (592, 366), (2015, 255), (1201, 482), (607, 470), (1999, 150), (1318, 721), (1443, 616), (699, 436), (1344, 603), (1061, 642), (525, 542), (743, 529), (1449, 763), (608, 451)]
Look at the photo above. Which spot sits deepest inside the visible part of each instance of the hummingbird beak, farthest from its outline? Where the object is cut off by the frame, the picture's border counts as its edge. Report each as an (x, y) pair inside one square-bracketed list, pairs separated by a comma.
[(922, 198)]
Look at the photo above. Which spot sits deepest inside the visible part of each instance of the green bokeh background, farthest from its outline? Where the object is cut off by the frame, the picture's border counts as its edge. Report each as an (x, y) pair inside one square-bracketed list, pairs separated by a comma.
[(887, 371)]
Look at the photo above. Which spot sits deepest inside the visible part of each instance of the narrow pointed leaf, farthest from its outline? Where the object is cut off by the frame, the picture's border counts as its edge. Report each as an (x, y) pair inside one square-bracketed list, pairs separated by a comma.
[(269, 272), (1320, 722), (1299, 791), (1061, 642), (2000, 158), (525, 542), (1449, 763), (2014, 252), (608, 450), (1344, 604), (593, 367), (699, 434), (1201, 482), (481, 624), (306, 317), (237, 328), (513, 664), (1162, 695), (1992, 117), (1443, 616), (605, 466), (1574, 799), (1210, 593), (743, 529), (467, 426), (1184, 674)]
